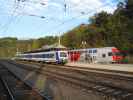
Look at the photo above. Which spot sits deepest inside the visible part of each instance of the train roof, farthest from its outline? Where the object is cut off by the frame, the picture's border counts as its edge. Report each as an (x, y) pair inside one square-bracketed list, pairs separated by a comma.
[(54, 47), (72, 50)]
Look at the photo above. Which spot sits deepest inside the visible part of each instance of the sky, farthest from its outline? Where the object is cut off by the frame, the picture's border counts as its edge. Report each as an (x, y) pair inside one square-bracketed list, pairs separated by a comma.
[(26, 19)]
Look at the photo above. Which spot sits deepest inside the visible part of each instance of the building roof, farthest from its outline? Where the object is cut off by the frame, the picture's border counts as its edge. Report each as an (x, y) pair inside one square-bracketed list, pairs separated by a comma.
[(53, 46)]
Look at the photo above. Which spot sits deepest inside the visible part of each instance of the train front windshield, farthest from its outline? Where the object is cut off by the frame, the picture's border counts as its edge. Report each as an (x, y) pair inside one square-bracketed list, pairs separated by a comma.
[(117, 54)]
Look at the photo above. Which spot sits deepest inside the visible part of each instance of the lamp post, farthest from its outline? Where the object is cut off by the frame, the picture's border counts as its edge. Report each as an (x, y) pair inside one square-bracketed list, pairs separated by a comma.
[(59, 39)]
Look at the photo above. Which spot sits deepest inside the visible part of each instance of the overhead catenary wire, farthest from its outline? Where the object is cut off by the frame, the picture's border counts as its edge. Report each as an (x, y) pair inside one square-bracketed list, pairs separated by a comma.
[(73, 18), (81, 14), (6, 25), (14, 14), (28, 14), (19, 16), (65, 6), (56, 27)]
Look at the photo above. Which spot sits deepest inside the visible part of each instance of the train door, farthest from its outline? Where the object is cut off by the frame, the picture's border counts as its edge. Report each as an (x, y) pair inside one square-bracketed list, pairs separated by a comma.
[(92, 55), (57, 57)]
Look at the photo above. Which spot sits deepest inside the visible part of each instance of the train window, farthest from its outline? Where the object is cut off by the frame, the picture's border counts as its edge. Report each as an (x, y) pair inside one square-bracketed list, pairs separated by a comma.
[(29, 56), (43, 55), (40, 56), (117, 54), (103, 55), (63, 54), (94, 51), (46, 55), (35, 56), (51, 55), (90, 51), (110, 54)]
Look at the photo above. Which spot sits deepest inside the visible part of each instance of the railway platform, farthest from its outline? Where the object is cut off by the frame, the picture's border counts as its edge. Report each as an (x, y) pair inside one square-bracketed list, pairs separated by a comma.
[(112, 67)]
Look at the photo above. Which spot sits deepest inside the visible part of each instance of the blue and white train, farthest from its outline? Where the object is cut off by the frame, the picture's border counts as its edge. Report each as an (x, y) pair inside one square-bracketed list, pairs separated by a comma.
[(49, 56)]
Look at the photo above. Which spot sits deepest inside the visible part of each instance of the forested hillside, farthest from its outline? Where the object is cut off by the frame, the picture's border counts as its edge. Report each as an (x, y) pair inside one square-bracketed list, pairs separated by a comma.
[(9, 46), (104, 29)]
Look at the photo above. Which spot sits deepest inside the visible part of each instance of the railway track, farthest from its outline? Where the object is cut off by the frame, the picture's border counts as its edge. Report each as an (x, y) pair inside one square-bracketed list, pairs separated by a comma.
[(121, 78), (4, 90), (103, 71), (11, 88), (103, 89), (93, 81)]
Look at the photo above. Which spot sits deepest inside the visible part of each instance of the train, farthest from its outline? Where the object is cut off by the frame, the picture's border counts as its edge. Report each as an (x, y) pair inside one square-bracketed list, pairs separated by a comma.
[(63, 55), (51, 55), (96, 55)]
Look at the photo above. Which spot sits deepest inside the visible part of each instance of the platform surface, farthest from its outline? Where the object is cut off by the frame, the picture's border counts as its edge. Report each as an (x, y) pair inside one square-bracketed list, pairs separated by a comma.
[(117, 67)]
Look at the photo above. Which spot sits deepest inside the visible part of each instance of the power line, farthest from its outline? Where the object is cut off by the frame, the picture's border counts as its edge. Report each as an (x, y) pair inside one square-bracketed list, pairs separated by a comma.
[(6, 26), (17, 2), (82, 14)]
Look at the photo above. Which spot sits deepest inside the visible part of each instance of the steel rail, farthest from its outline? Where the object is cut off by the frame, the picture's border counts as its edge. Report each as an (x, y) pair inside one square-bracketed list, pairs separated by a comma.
[(7, 88), (120, 74)]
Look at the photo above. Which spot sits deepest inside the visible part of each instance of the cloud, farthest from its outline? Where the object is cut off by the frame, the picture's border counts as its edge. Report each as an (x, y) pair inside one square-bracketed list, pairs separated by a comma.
[(79, 9), (78, 6)]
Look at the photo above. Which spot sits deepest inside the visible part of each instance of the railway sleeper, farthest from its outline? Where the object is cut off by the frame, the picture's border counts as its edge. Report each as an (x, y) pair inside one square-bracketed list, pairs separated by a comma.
[(114, 92)]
